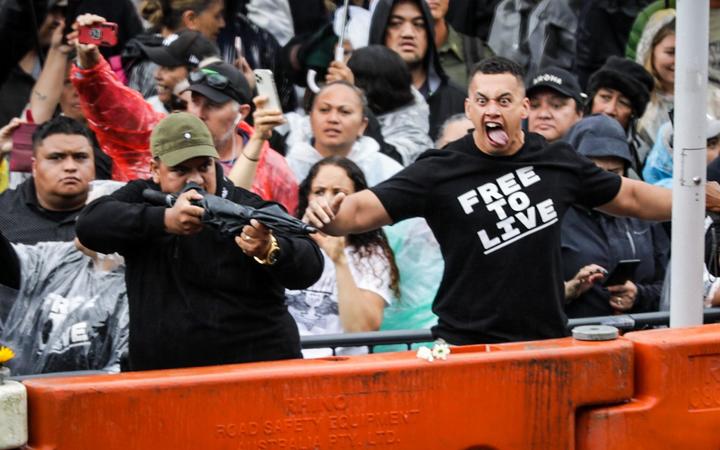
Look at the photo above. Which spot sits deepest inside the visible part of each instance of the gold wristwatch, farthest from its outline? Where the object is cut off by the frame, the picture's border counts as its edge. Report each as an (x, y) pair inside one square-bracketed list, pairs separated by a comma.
[(272, 255)]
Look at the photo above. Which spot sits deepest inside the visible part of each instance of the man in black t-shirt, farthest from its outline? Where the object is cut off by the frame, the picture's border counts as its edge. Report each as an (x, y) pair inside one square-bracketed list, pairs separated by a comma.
[(494, 200)]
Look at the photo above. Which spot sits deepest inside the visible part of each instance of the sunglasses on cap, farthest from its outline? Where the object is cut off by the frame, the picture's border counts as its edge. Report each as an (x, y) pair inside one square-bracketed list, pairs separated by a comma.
[(211, 78), (216, 81)]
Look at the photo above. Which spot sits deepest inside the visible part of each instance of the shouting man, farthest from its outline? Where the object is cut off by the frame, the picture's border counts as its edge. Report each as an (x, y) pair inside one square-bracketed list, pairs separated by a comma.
[(494, 200)]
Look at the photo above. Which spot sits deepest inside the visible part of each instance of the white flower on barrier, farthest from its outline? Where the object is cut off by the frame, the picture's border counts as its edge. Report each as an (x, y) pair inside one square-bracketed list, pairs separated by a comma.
[(425, 353), (440, 350)]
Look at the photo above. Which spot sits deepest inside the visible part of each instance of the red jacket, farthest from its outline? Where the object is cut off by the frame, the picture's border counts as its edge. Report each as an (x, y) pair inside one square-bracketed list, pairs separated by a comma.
[(122, 121)]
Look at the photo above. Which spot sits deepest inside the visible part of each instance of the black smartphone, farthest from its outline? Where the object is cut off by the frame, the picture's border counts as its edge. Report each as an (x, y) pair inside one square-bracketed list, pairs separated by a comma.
[(624, 271)]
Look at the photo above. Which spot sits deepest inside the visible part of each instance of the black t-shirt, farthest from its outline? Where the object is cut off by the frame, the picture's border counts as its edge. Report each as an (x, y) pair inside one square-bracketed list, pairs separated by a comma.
[(497, 219)]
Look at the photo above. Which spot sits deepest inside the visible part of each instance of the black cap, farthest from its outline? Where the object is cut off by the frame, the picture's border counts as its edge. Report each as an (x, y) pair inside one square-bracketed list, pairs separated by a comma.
[(626, 76), (559, 80), (186, 48), (235, 88)]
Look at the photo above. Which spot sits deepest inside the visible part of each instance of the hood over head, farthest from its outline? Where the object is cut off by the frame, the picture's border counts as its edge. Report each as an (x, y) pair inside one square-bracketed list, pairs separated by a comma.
[(656, 22), (599, 136), (378, 26)]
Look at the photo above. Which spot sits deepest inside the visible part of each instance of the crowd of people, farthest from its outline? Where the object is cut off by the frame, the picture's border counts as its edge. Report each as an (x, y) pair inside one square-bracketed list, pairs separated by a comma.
[(483, 169)]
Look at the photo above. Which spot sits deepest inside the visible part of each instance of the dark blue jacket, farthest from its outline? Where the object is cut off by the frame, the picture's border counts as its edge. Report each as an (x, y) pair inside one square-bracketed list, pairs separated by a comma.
[(591, 237)]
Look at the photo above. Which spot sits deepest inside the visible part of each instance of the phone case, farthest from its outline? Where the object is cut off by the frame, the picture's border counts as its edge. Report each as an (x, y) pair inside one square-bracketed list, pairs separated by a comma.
[(265, 83), (103, 34), (21, 156), (624, 271)]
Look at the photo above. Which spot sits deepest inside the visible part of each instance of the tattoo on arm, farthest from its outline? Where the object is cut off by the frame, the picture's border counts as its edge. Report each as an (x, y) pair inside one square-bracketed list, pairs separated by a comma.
[(40, 95)]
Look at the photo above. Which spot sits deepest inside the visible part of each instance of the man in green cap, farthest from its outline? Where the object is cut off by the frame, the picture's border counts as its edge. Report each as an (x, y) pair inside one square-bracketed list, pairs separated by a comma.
[(198, 297)]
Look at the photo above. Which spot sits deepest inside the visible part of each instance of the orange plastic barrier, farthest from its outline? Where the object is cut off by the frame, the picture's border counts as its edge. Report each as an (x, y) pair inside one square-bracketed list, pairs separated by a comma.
[(677, 395), (511, 396)]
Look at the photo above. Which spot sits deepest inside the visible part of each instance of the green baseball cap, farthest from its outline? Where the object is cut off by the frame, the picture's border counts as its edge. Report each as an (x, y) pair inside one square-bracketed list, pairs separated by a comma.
[(179, 137)]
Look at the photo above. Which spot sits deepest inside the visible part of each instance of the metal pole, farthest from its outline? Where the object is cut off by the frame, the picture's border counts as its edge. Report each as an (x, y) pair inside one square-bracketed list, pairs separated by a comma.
[(689, 161)]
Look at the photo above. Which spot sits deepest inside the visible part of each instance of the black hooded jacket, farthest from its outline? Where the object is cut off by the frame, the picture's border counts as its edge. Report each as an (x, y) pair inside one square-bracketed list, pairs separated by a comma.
[(445, 98), (198, 300)]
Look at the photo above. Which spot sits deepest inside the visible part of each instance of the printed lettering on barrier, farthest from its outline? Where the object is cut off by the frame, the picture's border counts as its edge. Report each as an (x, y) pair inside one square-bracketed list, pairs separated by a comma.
[(313, 421)]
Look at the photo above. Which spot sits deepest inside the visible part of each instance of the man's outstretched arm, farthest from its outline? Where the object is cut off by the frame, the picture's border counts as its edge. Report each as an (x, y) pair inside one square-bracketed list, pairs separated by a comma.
[(356, 213), (649, 202)]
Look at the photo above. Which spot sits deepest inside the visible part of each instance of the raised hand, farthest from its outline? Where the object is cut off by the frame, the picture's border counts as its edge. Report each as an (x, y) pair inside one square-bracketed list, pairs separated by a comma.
[(320, 213), (337, 71), (88, 55), (334, 246), (583, 280), (265, 119)]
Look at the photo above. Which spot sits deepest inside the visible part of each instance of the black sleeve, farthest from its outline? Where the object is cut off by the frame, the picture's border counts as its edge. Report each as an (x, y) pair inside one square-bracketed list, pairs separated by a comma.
[(559, 47), (602, 31), (300, 264), (597, 186), (404, 195), (17, 31), (648, 297), (120, 221), (471, 17), (10, 273)]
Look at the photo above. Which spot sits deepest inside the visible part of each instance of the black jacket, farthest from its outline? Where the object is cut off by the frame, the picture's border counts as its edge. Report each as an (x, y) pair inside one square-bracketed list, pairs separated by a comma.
[(602, 31), (591, 237), (24, 221), (198, 300), (444, 97), (17, 32)]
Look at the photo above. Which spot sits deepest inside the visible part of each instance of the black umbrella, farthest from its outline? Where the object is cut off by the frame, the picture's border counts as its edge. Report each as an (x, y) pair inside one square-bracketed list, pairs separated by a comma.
[(229, 217)]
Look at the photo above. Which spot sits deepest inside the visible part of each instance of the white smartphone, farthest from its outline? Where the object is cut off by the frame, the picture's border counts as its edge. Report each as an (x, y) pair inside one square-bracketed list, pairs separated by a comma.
[(265, 83)]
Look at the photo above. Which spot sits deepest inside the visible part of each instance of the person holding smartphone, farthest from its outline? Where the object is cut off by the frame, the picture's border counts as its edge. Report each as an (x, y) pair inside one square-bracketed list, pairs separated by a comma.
[(219, 96), (613, 265)]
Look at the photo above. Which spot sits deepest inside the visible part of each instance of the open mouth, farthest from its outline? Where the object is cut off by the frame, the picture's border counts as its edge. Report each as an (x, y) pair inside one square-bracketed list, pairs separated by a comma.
[(496, 134)]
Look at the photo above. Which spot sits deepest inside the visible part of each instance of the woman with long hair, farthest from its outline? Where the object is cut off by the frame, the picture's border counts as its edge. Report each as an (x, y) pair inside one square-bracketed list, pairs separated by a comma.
[(360, 277), (656, 52)]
